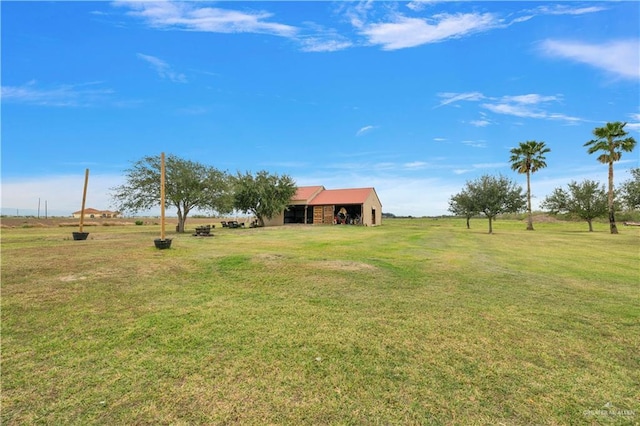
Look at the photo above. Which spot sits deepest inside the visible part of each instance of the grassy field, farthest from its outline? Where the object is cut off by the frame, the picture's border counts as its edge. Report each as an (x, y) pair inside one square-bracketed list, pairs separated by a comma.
[(418, 321)]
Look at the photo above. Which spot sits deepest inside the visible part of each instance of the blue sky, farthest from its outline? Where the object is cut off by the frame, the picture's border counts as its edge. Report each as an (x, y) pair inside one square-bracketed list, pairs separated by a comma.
[(412, 98)]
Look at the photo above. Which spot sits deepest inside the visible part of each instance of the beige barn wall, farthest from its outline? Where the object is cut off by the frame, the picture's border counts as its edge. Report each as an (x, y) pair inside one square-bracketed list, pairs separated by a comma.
[(371, 203), (277, 220)]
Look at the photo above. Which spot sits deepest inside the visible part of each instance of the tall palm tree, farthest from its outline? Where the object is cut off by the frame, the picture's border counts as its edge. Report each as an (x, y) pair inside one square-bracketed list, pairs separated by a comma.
[(611, 141), (529, 158)]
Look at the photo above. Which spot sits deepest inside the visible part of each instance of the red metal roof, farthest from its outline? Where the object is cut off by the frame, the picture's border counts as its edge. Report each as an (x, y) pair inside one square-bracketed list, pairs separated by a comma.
[(342, 196), (305, 193)]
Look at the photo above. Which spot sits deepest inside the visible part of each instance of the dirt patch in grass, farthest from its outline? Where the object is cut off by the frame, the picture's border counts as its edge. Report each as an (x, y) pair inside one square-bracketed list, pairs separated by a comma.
[(344, 265), (270, 257), (327, 265), (71, 278)]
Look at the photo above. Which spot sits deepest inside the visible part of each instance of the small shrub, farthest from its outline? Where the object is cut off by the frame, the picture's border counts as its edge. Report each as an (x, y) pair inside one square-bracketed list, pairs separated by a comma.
[(628, 216), (139, 222)]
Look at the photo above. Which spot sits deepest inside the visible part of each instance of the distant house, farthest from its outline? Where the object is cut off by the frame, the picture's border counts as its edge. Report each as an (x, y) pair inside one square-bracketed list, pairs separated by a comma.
[(90, 213), (317, 205)]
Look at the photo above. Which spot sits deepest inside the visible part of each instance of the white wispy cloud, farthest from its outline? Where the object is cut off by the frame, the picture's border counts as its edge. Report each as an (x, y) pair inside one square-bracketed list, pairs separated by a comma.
[(531, 99), (484, 120), (403, 32), (461, 171), (314, 37), (416, 165), (563, 9), (530, 105), (163, 69), (398, 30), (62, 95), (479, 167), (480, 123), (365, 129), (475, 144), (320, 44), (192, 16), (518, 110), (482, 166), (634, 122), (619, 57), (419, 5), (450, 98), (558, 9), (395, 31)]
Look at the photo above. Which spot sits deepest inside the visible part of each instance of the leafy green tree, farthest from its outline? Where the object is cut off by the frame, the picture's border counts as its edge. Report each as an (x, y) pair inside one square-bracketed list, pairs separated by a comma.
[(586, 200), (494, 195), (188, 185), (611, 140), (528, 158), (630, 191), (264, 195), (462, 204)]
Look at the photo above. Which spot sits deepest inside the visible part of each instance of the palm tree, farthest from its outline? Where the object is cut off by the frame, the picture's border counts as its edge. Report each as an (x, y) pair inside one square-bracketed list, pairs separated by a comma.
[(529, 158), (611, 141)]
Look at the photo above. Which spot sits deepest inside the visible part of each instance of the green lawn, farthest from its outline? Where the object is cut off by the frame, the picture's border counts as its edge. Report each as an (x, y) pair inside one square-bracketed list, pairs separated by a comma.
[(418, 321)]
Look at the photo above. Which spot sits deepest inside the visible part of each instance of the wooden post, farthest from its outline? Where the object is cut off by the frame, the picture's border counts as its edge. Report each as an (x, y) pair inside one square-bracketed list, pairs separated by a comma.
[(162, 196), (84, 197)]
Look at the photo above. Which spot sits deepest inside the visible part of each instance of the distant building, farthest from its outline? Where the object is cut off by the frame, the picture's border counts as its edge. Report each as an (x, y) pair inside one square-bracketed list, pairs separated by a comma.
[(90, 213), (317, 205)]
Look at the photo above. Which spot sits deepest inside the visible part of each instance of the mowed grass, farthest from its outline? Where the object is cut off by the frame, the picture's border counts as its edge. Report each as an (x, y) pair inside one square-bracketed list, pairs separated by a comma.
[(417, 321)]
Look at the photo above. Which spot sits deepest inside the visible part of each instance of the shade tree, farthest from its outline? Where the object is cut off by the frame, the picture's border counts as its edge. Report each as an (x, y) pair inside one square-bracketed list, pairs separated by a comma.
[(189, 185), (586, 200), (495, 195), (630, 191), (264, 194), (462, 204)]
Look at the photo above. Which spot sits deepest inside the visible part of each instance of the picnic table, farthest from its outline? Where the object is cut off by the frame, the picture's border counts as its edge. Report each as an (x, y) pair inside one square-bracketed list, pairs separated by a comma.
[(232, 224), (203, 231)]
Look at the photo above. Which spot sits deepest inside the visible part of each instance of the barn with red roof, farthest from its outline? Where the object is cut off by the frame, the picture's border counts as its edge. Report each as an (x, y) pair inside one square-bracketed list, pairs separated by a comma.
[(317, 205)]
